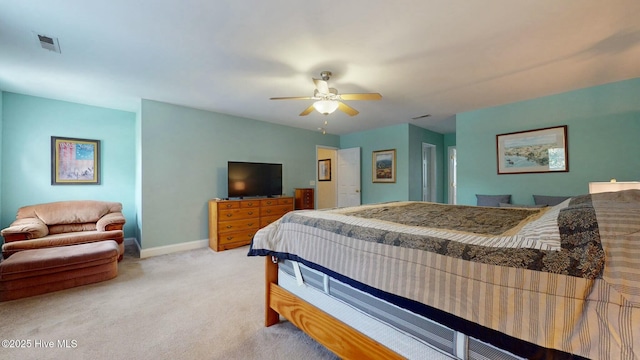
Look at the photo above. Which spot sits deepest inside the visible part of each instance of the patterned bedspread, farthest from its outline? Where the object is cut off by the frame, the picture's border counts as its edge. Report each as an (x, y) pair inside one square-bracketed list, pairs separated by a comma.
[(565, 277)]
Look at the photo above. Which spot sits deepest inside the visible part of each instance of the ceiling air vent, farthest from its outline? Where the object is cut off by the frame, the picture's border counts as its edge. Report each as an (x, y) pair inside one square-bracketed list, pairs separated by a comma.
[(420, 117), (48, 42)]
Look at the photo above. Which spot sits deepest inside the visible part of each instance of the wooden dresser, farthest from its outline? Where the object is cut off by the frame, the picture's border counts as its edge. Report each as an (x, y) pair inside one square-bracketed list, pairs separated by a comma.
[(232, 223), (304, 199)]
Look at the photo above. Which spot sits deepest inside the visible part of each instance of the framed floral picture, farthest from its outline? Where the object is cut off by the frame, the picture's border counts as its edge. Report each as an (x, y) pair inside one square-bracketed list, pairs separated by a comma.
[(75, 161), (384, 166)]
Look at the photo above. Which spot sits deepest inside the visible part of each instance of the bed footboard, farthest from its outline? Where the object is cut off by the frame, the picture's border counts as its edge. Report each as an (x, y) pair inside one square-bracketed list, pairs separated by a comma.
[(336, 336)]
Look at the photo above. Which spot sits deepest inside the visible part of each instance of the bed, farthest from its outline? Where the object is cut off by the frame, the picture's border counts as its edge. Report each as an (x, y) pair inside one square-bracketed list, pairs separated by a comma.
[(555, 282)]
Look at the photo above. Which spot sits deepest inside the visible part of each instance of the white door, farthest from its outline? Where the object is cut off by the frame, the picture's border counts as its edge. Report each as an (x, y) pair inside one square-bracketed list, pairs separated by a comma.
[(453, 181), (428, 172), (349, 177)]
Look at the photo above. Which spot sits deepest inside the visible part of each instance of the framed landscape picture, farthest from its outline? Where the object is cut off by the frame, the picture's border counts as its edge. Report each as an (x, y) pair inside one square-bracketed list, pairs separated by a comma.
[(75, 161), (533, 151), (384, 166)]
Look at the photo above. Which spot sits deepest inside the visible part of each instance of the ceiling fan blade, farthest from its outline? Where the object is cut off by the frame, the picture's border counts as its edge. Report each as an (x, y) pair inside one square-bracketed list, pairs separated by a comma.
[(347, 109), (307, 111), (293, 98), (322, 86), (369, 96)]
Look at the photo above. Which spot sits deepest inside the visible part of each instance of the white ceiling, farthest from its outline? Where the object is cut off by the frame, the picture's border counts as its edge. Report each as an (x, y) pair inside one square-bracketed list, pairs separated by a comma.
[(438, 57)]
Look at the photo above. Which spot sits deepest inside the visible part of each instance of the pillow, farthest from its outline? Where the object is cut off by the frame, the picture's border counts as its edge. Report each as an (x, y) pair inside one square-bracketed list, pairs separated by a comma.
[(521, 206), (493, 200), (549, 200)]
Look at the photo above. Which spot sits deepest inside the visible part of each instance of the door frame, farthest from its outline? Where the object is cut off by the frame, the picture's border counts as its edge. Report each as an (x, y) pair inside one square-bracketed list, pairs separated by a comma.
[(429, 170), (334, 176), (453, 181)]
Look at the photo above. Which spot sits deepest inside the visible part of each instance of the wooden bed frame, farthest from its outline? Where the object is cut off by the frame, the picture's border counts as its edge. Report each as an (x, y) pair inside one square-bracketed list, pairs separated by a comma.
[(343, 340)]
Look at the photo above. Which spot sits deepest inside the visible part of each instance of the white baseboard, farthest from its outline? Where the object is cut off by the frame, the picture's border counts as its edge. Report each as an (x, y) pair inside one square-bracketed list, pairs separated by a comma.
[(168, 249)]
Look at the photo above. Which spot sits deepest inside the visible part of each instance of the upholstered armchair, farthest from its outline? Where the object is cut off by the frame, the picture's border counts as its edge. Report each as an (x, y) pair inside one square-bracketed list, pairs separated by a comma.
[(64, 223)]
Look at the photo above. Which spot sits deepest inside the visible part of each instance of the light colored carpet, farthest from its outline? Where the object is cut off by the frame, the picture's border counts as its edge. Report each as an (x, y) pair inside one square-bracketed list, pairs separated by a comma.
[(196, 304)]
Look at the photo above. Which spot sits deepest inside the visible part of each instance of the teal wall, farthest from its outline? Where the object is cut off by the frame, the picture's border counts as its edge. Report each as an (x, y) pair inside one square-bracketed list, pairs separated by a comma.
[(407, 140), (184, 154), (165, 161), (603, 131), (27, 126), (391, 137)]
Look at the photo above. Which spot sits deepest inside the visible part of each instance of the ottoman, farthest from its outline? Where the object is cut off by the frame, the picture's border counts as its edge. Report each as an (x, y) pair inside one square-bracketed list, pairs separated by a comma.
[(39, 271)]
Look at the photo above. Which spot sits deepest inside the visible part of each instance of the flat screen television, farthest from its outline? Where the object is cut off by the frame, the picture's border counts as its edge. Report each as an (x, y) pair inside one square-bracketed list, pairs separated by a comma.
[(250, 179)]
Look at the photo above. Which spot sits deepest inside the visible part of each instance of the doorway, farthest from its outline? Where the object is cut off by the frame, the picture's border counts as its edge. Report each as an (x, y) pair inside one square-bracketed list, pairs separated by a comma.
[(342, 187), (326, 190), (453, 181), (429, 172)]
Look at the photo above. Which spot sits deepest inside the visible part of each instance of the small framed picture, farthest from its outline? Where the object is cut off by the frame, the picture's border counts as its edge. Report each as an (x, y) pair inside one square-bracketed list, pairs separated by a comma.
[(384, 166), (324, 170), (75, 161)]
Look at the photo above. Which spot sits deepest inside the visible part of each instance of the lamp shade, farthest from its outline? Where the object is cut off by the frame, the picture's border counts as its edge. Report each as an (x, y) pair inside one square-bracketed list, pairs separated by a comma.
[(325, 107), (598, 187)]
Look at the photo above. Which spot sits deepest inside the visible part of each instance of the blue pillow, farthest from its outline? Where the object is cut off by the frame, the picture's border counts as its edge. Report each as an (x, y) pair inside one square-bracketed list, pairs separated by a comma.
[(493, 200), (549, 200), (521, 206)]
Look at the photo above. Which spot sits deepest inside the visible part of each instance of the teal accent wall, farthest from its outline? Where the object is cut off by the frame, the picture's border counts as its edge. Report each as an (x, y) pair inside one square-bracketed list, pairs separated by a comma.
[(165, 162), (603, 131), (407, 140), (390, 137), (184, 154), (27, 126)]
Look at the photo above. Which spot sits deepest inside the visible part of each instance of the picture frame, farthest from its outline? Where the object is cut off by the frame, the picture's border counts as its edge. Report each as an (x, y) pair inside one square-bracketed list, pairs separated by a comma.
[(383, 166), (75, 161), (533, 151), (324, 170)]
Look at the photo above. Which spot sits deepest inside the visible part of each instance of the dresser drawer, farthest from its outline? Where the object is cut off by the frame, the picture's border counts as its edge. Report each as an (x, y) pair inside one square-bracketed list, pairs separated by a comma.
[(276, 201), (285, 201), (238, 225), (236, 214), (243, 237), (269, 202), (250, 203), (228, 205), (278, 210), (266, 220)]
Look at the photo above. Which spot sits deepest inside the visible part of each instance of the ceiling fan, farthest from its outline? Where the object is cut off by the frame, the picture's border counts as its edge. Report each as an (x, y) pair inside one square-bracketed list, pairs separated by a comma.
[(328, 100)]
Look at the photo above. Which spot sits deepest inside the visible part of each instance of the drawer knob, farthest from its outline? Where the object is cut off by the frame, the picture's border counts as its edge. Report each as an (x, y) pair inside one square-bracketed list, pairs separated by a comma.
[(229, 215), (229, 237), (250, 213), (229, 226)]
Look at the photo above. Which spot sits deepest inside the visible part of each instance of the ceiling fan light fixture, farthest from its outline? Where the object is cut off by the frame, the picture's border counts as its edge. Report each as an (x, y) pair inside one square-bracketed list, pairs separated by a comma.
[(325, 107)]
